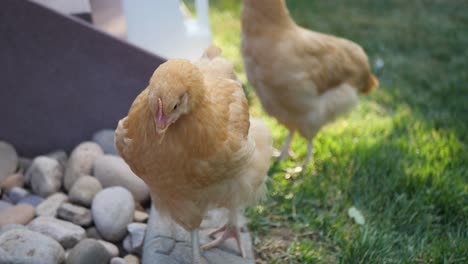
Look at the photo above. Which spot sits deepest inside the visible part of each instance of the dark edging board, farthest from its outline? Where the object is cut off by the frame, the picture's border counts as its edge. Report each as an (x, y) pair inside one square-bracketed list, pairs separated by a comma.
[(61, 79)]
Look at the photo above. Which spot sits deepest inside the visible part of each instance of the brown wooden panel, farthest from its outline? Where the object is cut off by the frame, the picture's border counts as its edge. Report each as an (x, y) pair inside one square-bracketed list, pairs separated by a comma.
[(61, 80)]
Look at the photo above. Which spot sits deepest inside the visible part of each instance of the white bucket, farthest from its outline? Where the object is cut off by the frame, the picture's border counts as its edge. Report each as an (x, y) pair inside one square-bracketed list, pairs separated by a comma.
[(160, 27)]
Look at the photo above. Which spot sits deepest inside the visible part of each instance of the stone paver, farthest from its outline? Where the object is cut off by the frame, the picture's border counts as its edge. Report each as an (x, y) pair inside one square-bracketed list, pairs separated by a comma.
[(167, 242)]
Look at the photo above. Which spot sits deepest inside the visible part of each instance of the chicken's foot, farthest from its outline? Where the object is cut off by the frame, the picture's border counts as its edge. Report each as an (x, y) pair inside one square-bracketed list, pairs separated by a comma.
[(229, 231), (216, 231)]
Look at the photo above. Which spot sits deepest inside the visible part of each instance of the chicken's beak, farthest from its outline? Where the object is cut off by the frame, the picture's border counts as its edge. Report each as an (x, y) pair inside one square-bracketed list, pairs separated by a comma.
[(160, 121)]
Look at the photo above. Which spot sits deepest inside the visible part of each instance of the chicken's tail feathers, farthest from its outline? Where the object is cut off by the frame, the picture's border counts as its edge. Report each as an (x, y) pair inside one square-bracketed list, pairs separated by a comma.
[(212, 52), (372, 83), (335, 102), (261, 134), (261, 193), (213, 62)]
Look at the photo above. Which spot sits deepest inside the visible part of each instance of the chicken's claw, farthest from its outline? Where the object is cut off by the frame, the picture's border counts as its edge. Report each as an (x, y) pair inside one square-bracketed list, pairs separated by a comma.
[(229, 232)]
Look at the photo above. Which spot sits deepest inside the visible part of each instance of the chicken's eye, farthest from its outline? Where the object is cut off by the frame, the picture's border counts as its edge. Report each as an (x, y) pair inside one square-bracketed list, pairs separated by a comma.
[(175, 106)]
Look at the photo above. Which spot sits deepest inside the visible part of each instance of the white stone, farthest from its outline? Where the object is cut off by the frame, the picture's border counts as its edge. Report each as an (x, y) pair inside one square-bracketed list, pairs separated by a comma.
[(8, 160), (49, 206), (112, 249), (16, 193), (81, 162), (84, 190), (25, 246), (112, 211), (136, 233), (117, 261), (66, 233), (113, 171), (105, 139), (45, 176), (140, 216), (74, 213)]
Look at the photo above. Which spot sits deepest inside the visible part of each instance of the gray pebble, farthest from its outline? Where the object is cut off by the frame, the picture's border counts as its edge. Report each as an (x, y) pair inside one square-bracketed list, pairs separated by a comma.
[(45, 176), (50, 205), (88, 251), (140, 216), (14, 180), (4, 205), (92, 232), (121, 261), (66, 233), (18, 214), (131, 259), (9, 227), (133, 243), (16, 193), (112, 249), (105, 139), (84, 190), (8, 160), (24, 163), (23, 246), (81, 162), (112, 211), (113, 171), (75, 214), (60, 156), (31, 199)]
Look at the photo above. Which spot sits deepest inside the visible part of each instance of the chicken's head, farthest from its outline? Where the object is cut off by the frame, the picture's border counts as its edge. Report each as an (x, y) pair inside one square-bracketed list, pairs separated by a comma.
[(174, 89)]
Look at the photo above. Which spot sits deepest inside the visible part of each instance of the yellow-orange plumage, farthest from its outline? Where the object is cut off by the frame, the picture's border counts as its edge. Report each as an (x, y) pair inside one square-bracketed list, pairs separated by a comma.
[(211, 156)]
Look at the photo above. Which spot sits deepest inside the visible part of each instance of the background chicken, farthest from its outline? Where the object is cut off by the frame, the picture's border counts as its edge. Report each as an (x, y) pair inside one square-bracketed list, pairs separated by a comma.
[(188, 136), (303, 78)]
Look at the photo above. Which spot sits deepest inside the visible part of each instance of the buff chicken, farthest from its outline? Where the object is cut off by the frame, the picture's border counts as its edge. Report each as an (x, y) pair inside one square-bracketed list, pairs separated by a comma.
[(188, 135), (304, 79)]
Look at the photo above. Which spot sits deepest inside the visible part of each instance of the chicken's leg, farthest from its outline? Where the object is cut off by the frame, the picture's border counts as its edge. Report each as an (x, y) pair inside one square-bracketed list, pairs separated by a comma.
[(309, 156), (286, 146), (196, 259), (230, 230)]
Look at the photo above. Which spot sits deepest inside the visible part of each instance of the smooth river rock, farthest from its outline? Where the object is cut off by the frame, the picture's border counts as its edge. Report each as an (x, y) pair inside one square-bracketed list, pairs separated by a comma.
[(22, 246), (49, 206), (113, 171), (88, 251), (84, 190), (45, 176), (14, 180), (105, 139), (81, 162), (19, 214), (8, 160), (66, 233), (112, 211), (76, 214)]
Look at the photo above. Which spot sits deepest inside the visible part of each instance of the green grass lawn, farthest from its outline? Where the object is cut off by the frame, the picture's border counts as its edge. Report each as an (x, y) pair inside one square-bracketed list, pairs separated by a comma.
[(400, 157)]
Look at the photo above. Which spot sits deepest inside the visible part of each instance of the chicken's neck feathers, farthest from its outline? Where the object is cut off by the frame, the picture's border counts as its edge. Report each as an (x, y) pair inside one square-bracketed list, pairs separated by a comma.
[(263, 17)]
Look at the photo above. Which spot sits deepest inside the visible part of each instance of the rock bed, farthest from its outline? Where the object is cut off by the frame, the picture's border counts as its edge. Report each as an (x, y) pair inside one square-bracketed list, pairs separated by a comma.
[(88, 208)]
